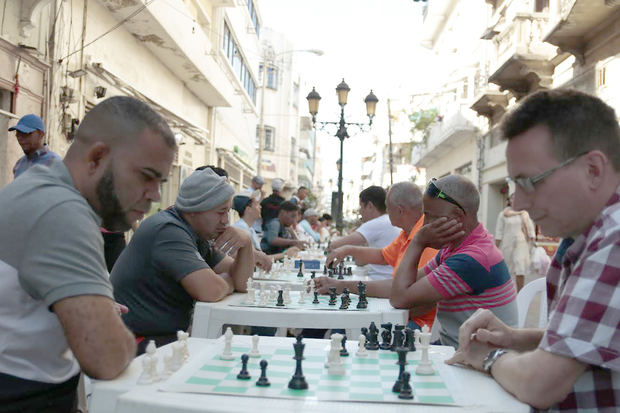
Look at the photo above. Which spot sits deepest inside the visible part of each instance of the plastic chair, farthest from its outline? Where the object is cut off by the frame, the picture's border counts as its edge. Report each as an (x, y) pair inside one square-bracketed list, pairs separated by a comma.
[(525, 297)]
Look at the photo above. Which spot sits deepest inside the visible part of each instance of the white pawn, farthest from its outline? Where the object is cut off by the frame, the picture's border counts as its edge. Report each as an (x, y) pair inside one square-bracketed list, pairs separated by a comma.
[(254, 352), (149, 365), (287, 295), (176, 360), (264, 299), (249, 284), (312, 287), (361, 349), (272, 293), (227, 353), (250, 296), (182, 336), (302, 296), (425, 367)]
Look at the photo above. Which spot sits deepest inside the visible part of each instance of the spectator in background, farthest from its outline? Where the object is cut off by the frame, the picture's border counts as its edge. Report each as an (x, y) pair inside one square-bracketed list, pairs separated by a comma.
[(30, 134), (278, 234), (514, 235), (298, 198), (271, 205), (309, 222)]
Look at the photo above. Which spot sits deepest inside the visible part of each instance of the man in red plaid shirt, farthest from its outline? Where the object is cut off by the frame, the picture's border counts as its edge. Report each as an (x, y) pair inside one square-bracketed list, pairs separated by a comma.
[(563, 154)]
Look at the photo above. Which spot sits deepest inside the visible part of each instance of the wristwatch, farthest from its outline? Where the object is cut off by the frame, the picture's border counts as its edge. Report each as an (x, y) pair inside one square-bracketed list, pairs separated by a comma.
[(492, 358)]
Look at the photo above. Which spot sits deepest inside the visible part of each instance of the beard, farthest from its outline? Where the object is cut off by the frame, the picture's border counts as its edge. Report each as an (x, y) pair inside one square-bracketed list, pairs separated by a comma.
[(110, 209)]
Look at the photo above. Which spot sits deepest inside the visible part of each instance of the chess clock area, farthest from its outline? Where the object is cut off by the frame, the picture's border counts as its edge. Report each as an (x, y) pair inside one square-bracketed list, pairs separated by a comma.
[(277, 374)]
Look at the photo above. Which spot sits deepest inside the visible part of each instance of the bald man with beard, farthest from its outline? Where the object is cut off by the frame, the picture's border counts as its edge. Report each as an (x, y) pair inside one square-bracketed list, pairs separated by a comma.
[(57, 313)]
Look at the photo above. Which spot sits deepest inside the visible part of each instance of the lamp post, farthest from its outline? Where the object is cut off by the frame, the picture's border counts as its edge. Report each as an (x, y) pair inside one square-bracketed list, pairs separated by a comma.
[(268, 59), (313, 106)]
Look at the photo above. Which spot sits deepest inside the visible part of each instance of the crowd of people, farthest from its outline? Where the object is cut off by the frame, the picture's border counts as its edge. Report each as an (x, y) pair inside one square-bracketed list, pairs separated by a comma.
[(62, 313)]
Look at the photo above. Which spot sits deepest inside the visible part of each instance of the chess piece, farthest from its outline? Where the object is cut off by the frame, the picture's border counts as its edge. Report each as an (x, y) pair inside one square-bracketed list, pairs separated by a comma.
[(298, 381), (349, 271), (300, 274), (425, 367), (336, 367), (330, 273), (402, 361), (254, 353), (340, 276), (249, 296), (287, 295), (302, 296), (361, 348), (365, 332), (264, 299), (332, 296), (149, 365), (398, 337), (313, 274), (316, 298), (343, 302), (386, 336), (343, 350), (373, 332), (409, 339), (227, 353), (345, 292), (362, 301), (280, 302), (244, 374), (406, 392), (263, 381), (324, 269)]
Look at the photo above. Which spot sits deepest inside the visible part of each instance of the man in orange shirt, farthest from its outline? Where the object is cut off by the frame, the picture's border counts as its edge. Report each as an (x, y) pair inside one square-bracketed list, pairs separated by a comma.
[(404, 207)]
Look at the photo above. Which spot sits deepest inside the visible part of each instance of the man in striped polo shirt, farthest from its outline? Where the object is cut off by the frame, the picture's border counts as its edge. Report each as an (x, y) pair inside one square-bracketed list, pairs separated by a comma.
[(469, 271)]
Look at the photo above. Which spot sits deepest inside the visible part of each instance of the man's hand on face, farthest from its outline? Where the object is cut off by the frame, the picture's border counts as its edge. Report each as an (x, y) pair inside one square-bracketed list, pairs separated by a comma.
[(232, 240), (439, 233)]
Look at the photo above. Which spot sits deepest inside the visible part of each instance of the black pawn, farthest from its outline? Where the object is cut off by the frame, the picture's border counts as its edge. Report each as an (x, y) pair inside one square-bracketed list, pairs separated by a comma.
[(280, 302), (300, 274), (343, 350), (386, 336), (312, 275), (244, 374), (325, 270), (405, 391), (340, 277), (402, 361), (398, 337), (344, 304), (330, 273), (316, 298), (332, 296), (263, 381), (349, 271)]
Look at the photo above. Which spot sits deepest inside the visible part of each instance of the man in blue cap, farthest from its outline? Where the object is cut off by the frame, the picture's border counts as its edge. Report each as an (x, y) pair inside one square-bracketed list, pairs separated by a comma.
[(30, 133)]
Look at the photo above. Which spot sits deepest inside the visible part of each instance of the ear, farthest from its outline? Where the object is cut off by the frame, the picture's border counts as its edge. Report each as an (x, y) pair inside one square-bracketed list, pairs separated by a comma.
[(596, 163), (97, 156)]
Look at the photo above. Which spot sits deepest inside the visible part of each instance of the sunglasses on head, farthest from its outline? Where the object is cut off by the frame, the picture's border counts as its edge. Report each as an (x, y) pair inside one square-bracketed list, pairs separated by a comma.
[(434, 192)]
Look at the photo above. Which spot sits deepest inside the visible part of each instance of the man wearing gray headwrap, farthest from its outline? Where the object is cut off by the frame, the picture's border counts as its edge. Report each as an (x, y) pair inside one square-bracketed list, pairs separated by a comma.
[(181, 255)]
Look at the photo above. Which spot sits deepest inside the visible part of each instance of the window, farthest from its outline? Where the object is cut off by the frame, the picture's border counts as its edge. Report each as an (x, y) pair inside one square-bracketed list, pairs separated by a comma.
[(541, 5), (464, 170), (272, 76), (269, 144), (253, 16), (238, 63), (600, 79), (293, 150)]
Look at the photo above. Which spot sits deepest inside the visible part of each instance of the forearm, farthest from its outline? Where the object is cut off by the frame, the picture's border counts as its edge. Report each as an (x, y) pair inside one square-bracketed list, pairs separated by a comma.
[(525, 339), (242, 268), (405, 276), (283, 242), (538, 378), (365, 255)]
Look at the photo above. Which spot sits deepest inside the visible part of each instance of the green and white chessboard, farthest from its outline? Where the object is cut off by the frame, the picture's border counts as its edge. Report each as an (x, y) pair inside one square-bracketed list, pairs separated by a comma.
[(366, 379), (307, 305)]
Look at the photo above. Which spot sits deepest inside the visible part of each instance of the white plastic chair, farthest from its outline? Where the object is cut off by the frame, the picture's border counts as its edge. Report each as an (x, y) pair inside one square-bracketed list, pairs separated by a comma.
[(525, 297)]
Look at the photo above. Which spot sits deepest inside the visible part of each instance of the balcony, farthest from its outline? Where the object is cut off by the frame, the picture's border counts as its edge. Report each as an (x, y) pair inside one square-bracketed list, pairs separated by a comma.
[(576, 22), (443, 137), (490, 103), (523, 62), (185, 49)]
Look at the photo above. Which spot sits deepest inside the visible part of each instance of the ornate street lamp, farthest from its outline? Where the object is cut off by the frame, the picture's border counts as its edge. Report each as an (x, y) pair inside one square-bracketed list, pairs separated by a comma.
[(313, 107)]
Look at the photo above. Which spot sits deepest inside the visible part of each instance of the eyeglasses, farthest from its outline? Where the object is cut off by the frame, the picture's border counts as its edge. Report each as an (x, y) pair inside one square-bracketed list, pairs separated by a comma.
[(434, 192), (527, 184)]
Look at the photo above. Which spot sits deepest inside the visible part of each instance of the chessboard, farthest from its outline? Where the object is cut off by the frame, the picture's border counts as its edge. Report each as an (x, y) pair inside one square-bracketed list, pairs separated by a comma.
[(368, 379), (307, 304)]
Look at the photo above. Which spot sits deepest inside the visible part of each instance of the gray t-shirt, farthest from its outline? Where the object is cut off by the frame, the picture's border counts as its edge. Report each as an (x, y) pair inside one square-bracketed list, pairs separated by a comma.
[(50, 249), (147, 275), (273, 230)]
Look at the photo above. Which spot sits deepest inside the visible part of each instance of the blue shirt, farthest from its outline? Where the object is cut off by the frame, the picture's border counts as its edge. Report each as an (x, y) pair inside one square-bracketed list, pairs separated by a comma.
[(42, 156), (305, 225)]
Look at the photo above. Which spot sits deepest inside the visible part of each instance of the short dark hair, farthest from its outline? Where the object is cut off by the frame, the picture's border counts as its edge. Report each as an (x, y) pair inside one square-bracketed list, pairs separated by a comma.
[(327, 217), (302, 187), (288, 206), (374, 194), (577, 122), (216, 169)]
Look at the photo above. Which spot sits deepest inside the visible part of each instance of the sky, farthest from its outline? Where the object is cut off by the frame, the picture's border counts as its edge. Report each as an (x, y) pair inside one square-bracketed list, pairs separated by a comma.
[(372, 44)]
